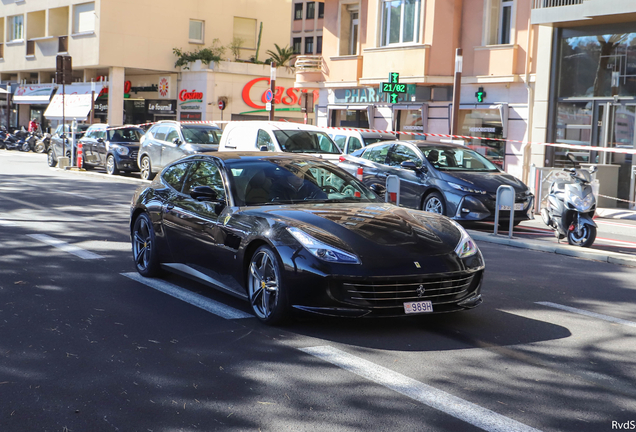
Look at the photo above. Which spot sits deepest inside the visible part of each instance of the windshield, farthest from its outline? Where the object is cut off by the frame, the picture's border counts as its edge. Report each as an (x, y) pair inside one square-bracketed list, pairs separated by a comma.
[(131, 135), (285, 181), (200, 134), (305, 141), (456, 159)]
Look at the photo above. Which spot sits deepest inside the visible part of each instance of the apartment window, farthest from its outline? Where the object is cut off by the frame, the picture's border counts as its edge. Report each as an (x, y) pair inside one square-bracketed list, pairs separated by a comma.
[(298, 11), (309, 45), (245, 30), (196, 31), (498, 20), (296, 45), (311, 10), (400, 21), (84, 18), (505, 21), (349, 24), (318, 44), (321, 10), (16, 27)]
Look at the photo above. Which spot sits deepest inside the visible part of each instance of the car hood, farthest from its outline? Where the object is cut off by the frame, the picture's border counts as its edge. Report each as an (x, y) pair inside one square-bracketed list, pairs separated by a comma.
[(488, 181), (383, 236)]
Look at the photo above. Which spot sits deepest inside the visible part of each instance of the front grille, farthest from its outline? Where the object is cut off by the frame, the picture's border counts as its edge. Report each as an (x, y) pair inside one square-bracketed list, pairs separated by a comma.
[(390, 294), (133, 154)]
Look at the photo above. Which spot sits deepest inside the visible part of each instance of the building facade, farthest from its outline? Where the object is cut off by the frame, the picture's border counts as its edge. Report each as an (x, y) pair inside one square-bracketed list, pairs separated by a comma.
[(364, 41), (132, 62), (587, 71), (306, 30)]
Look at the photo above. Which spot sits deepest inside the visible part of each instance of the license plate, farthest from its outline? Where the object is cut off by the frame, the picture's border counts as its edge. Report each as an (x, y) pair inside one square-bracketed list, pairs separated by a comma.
[(418, 307), (518, 206)]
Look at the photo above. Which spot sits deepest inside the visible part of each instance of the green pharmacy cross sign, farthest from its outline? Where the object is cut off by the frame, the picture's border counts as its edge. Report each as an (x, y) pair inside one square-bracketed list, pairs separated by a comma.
[(480, 94), (393, 88)]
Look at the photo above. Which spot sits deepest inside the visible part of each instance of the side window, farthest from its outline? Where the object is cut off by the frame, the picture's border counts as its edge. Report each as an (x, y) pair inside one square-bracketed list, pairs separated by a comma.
[(205, 174), (263, 139), (90, 133), (340, 141), (159, 133), (377, 154), (402, 153), (171, 134), (175, 174), (354, 144)]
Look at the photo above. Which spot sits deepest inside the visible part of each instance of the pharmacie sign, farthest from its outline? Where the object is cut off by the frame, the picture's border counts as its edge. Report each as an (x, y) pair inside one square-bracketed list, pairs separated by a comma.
[(190, 100), (256, 97)]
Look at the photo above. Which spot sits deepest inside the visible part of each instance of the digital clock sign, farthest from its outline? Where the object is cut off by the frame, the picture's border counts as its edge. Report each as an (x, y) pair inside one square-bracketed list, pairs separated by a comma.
[(393, 88)]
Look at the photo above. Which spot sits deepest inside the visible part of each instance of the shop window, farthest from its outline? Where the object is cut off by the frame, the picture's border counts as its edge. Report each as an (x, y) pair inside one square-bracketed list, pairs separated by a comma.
[(245, 30), (499, 22), (321, 10), (298, 11), (349, 24), (296, 45), (318, 44), (309, 45), (16, 28), (84, 18), (311, 10), (196, 33), (400, 21), (484, 123)]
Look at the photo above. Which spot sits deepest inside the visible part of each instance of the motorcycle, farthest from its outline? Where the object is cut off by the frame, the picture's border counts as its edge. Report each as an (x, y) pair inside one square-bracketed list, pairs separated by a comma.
[(3, 136), (15, 140), (42, 144), (571, 205), (28, 143)]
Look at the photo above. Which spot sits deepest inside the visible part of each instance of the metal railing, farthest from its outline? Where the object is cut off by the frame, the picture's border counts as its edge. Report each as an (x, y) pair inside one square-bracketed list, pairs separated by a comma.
[(540, 4), (308, 63)]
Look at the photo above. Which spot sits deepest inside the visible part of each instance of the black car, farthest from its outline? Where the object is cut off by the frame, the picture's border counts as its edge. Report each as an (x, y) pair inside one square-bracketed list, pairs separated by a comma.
[(287, 231), (449, 179), (168, 140), (115, 149), (61, 142)]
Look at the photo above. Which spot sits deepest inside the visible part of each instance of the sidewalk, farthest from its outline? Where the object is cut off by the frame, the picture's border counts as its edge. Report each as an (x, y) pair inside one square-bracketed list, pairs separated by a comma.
[(615, 213)]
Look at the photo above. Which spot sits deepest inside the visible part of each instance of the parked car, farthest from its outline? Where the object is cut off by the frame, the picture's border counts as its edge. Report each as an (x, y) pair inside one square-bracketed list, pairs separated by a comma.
[(115, 149), (61, 141), (448, 179), (294, 232), (169, 140), (351, 140), (278, 137)]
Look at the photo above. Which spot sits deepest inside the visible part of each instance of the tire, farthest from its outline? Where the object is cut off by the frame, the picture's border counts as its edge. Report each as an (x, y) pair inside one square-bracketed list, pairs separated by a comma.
[(39, 147), (146, 169), (585, 238), (50, 159), (111, 165), (266, 290), (144, 247), (25, 147), (434, 203)]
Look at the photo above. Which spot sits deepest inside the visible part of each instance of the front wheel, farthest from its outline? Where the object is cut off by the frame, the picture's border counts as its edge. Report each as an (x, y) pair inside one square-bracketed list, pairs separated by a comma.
[(584, 238), (146, 170), (50, 159), (39, 147), (144, 247), (434, 203), (266, 289), (111, 165), (25, 147)]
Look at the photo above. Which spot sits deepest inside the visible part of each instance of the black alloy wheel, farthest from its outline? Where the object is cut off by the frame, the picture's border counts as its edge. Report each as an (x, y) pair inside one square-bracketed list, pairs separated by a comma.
[(434, 203), (584, 238), (265, 288), (50, 159), (111, 165), (144, 247), (145, 169)]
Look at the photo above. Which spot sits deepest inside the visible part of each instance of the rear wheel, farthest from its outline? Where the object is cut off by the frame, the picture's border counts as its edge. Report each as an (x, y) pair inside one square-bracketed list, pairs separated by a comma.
[(144, 247), (25, 147), (584, 238), (434, 203), (145, 168), (39, 147), (50, 159), (111, 165), (267, 291)]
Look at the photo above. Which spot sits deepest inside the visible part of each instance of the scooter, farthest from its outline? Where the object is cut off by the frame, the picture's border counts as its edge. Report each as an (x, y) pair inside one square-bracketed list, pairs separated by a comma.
[(571, 205), (43, 143), (28, 143)]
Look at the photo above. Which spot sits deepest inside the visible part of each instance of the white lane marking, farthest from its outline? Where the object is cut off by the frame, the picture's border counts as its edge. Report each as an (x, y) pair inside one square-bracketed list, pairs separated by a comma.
[(76, 194), (434, 398), (588, 313), (197, 300), (7, 223), (72, 249)]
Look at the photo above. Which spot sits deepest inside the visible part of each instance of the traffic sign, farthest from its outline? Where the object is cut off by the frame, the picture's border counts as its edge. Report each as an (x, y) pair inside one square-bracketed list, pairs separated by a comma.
[(221, 104), (268, 95)]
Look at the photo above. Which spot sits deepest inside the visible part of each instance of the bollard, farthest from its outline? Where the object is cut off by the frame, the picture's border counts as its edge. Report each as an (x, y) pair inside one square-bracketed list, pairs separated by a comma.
[(505, 201), (392, 194), (360, 173)]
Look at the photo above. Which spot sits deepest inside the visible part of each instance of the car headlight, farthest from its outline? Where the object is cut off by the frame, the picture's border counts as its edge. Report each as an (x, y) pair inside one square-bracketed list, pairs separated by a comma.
[(322, 250), (581, 204), (122, 150), (466, 246), (466, 188)]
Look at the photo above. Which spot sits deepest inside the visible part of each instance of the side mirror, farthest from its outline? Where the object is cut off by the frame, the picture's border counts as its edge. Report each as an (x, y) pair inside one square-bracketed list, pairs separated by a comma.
[(409, 165), (571, 157), (176, 141), (100, 140), (263, 148), (203, 193), (593, 169)]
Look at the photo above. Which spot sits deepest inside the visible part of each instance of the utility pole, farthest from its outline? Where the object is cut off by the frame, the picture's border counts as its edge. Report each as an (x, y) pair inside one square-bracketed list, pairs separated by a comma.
[(92, 119), (272, 86), (456, 90)]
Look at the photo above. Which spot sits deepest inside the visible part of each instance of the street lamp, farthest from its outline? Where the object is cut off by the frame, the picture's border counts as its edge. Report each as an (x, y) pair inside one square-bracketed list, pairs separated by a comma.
[(459, 60)]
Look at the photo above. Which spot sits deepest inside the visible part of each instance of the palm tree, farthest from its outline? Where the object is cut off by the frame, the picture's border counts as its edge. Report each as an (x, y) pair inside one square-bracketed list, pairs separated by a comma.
[(283, 56)]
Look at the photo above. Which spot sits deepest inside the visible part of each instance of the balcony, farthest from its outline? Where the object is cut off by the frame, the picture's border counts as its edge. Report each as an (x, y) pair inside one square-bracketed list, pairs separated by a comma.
[(309, 70), (579, 11)]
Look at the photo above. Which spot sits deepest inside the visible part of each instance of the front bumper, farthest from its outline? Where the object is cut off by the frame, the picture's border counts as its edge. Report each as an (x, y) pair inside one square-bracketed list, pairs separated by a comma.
[(482, 208)]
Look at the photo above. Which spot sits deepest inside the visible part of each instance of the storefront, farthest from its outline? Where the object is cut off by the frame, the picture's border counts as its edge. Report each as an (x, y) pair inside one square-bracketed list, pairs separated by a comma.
[(30, 102), (593, 103)]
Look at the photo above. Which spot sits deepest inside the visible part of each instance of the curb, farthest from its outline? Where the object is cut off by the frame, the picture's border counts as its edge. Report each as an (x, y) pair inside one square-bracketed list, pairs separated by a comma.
[(90, 173), (573, 251)]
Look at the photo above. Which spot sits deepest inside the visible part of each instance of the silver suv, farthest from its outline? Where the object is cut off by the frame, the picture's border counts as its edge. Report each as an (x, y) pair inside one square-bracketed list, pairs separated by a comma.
[(169, 140)]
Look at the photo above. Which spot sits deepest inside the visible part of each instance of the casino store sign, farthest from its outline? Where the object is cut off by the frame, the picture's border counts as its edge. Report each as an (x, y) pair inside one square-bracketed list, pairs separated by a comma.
[(190, 100), (287, 99)]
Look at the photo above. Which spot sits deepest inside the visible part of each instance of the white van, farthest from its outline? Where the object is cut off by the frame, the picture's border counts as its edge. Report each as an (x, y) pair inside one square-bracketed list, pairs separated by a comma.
[(350, 140), (279, 137)]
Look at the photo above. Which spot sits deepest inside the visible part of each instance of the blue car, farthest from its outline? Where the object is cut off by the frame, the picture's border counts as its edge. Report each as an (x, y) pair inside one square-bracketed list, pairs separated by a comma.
[(448, 179)]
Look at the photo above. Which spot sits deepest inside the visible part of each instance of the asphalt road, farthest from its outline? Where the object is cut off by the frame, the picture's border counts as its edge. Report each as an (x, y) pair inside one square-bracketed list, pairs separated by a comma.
[(88, 346)]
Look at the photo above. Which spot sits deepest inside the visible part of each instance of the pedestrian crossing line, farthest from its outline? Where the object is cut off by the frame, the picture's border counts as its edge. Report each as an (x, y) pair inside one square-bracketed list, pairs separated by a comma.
[(62, 245), (589, 314), (437, 399), (209, 305), (7, 223)]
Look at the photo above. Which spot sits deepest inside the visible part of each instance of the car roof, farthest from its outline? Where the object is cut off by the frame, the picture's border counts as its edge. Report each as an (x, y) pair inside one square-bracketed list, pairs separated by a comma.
[(254, 155), (418, 143), (185, 123), (278, 125)]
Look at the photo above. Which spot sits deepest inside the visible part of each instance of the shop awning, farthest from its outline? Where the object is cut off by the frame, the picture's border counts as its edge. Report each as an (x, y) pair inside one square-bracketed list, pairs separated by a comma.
[(34, 94), (80, 88), (76, 106), (2, 91)]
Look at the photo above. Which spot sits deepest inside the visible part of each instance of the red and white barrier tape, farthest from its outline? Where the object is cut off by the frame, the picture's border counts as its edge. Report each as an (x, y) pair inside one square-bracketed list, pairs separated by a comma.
[(617, 199)]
